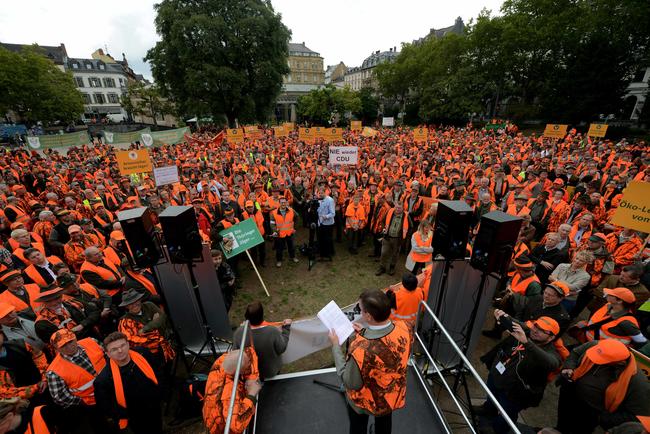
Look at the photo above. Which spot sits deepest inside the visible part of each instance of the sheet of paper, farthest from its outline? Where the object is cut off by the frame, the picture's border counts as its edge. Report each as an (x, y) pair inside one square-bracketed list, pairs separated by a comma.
[(334, 319)]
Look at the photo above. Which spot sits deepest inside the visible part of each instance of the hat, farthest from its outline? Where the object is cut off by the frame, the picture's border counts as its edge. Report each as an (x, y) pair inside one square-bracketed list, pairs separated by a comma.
[(622, 293), (8, 275), (6, 309), (84, 221), (400, 183), (558, 181), (228, 211), (372, 182), (521, 197), (62, 337), (49, 293), (62, 212), (524, 262), (561, 287), (249, 203), (470, 197), (65, 280), (98, 205), (197, 200), (73, 229), (130, 296), (598, 237), (547, 324), (608, 351), (117, 236), (17, 187)]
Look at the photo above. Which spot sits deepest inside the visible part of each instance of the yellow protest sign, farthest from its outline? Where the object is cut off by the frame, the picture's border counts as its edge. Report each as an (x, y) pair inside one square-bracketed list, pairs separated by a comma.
[(420, 134), (252, 132), (235, 135), (334, 135), (133, 161), (279, 131), (355, 126), (319, 132), (597, 130), (306, 135), (369, 132), (289, 126), (557, 131), (634, 209)]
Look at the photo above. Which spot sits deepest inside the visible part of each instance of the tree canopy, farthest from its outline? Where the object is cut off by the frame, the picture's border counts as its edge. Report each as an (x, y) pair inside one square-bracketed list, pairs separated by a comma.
[(33, 87), (146, 100), (319, 105), (557, 60), (220, 58)]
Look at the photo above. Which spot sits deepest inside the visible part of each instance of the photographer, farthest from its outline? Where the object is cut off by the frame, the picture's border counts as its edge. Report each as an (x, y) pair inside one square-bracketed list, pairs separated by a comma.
[(519, 369)]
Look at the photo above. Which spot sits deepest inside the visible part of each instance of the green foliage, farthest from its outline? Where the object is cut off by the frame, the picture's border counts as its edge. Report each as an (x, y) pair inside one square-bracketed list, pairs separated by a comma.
[(33, 87), (369, 106), (220, 58), (319, 104), (144, 100), (559, 60)]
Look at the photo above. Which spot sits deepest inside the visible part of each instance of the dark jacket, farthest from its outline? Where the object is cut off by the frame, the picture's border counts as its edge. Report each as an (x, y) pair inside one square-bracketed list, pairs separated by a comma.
[(555, 256)]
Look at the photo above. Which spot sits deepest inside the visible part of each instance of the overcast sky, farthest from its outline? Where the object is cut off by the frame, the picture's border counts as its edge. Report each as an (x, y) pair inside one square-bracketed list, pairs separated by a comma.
[(340, 30)]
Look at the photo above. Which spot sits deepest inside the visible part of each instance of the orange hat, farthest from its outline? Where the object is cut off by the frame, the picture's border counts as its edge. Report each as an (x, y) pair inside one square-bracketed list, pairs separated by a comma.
[(524, 262), (547, 324), (17, 225), (117, 236), (49, 293), (74, 229), (98, 205), (623, 293), (6, 309), (561, 287), (62, 337), (598, 237), (249, 203), (9, 274), (608, 351), (558, 181), (17, 187)]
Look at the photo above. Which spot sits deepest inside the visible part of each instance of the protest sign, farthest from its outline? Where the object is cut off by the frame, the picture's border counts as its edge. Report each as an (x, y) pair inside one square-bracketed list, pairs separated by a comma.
[(133, 161), (165, 175), (634, 209), (343, 155), (555, 131), (597, 130)]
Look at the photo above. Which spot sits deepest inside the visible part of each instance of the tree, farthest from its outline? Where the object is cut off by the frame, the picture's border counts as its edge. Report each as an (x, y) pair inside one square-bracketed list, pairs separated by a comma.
[(369, 106), (319, 104), (33, 87), (146, 100), (220, 58)]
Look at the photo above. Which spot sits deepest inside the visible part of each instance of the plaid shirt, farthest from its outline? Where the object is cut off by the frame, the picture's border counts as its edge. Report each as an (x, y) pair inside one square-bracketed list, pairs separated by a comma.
[(59, 390)]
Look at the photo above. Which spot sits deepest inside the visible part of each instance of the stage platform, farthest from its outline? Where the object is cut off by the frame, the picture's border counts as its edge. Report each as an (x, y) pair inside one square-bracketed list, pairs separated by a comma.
[(294, 404)]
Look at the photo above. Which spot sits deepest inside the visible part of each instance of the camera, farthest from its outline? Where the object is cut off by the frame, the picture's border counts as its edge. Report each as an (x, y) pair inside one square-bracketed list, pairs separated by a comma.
[(506, 323), (356, 310)]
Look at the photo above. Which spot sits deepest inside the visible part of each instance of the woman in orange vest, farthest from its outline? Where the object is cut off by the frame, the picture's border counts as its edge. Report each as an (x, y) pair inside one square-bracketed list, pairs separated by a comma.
[(355, 221), (421, 250)]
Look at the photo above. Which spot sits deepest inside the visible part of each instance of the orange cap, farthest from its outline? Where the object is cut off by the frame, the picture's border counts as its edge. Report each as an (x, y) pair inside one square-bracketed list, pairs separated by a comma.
[(623, 293), (547, 324), (608, 351), (74, 229), (117, 236), (249, 203), (62, 337), (561, 287)]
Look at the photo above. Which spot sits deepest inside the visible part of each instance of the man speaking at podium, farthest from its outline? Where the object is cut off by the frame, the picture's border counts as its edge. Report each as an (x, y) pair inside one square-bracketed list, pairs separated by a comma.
[(374, 369)]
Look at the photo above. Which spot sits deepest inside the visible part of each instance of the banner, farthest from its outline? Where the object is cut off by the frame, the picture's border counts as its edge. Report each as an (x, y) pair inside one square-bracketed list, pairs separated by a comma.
[(306, 135), (79, 138), (634, 209), (388, 122), (133, 161), (240, 237), (289, 126), (597, 130), (279, 131), (234, 135), (556, 131), (369, 132), (355, 126), (129, 137), (252, 132), (420, 134), (169, 137), (165, 175), (319, 132), (495, 127), (343, 155), (334, 134)]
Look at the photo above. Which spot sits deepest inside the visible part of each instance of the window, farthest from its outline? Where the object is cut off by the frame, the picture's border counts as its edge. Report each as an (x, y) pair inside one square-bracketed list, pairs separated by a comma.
[(113, 98), (75, 66), (94, 82), (101, 66), (122, 83), (89, 66), (109, 82), (99, 98), (79, 81), (86, 98)]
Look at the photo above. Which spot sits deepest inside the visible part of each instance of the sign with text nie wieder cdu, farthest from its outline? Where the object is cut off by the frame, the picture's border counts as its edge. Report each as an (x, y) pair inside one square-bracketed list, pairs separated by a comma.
[(240, 237)]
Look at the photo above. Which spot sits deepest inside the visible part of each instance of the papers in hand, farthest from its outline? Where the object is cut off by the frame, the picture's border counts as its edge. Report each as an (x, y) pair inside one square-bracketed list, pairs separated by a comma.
[(334, 319)]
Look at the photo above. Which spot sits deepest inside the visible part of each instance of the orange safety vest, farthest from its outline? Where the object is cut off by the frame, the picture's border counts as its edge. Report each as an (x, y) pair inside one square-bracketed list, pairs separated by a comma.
[(421, 257), (143, 281), (108, 272), (408, 303), (284, 225), (33, 273), (37, 425), (356, 214), (111, 256), (79, 381), (20, 252), (381, 380), (519, 285), (405, 222), (258, 218), (146, 369), (602, 314), (33, 291)]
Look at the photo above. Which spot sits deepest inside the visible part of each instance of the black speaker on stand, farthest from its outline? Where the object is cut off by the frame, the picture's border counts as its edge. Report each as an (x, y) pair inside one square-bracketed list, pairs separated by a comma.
[(495, 241), (451, 230), (181, 234), (140, 232)]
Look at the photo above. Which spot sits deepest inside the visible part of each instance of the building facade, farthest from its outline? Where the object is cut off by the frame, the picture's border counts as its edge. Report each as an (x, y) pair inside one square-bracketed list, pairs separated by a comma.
[(335, 74), (637, 93), (306, 74), (364, 75)]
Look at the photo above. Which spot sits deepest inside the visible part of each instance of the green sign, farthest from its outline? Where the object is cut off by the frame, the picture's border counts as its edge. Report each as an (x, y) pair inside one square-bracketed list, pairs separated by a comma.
[(130, 137), (79, 138), (169, 137), (495, 127), (240, 237)]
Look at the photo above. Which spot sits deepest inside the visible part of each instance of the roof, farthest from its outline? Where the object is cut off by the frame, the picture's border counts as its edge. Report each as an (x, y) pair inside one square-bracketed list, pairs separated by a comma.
[(379, 57), (58, 54), (458, 28), (96, 66), (301, 48)]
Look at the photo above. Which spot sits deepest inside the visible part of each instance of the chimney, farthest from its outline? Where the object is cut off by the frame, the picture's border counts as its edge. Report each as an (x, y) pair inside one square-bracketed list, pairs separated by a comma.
[(394, 49)]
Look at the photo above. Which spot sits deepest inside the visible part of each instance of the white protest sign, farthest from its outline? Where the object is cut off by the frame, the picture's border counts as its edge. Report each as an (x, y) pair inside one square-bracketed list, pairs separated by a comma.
[(344, 155), (388, 122), (165, 175)]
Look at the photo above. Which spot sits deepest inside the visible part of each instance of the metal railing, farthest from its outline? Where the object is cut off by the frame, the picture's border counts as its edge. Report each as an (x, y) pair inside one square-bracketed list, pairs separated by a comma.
[(440, 373), (233, 395)]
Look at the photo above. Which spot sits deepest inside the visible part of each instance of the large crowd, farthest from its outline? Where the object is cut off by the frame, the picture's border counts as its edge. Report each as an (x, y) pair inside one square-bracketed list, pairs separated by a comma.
[(85, 335)]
